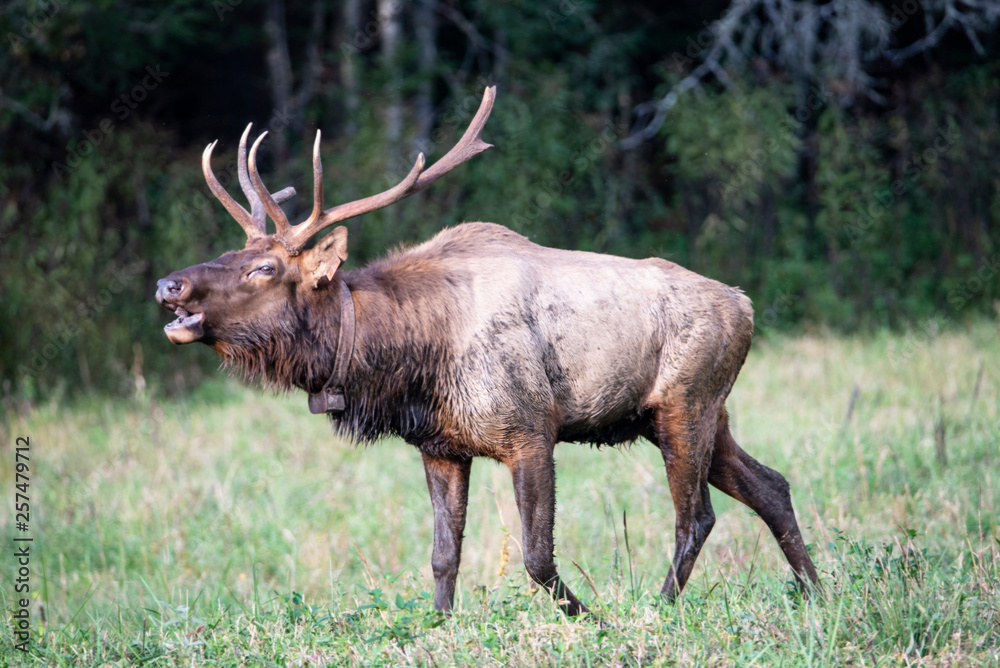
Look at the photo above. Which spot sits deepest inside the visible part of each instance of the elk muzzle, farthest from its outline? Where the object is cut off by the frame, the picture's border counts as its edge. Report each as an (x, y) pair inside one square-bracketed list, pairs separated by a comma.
[(171, 293)]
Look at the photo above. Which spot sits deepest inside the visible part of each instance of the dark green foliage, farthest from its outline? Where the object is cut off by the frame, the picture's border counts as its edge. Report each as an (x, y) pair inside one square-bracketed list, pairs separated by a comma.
[(101, 191)]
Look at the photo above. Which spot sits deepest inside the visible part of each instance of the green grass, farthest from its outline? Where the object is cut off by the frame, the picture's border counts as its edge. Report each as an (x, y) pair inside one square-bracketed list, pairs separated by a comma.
[(233, 529)]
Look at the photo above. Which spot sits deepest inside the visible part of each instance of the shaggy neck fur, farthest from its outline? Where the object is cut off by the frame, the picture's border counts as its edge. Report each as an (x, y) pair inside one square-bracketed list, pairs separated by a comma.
[(399, 353), (294, 350)]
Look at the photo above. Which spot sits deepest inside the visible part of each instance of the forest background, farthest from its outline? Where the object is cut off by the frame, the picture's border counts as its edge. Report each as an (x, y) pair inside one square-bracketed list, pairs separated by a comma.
[(836, 160)]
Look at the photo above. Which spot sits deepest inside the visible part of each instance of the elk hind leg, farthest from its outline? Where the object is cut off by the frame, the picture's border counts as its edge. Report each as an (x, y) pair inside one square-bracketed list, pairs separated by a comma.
[(686, 448), (766, 492)]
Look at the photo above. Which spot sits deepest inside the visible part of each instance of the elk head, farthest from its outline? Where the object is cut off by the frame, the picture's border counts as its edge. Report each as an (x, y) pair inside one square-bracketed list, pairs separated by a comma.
[(248, 298)]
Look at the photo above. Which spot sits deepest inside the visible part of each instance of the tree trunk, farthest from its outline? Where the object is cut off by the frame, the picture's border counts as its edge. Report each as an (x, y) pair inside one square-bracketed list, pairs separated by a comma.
[(279, 69), (389, 18), (425, 27), (314, 66), (349, 53), (287, 116)]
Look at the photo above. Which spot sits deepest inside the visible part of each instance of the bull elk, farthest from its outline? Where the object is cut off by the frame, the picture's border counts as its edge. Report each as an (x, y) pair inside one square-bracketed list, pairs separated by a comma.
[(480, 343)]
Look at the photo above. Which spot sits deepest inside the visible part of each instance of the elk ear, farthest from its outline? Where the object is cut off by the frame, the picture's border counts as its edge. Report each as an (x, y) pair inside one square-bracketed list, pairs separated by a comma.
[(323, 259)]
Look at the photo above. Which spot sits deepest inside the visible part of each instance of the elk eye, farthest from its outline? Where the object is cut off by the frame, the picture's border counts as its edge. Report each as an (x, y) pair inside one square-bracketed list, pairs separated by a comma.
[(265, 269)]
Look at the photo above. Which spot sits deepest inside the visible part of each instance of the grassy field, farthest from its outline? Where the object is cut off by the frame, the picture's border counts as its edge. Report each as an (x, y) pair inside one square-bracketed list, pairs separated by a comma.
[(233, 529)]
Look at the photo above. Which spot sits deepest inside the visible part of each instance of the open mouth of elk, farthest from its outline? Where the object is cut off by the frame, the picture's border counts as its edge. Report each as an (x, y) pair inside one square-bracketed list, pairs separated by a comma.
[(186, 327)]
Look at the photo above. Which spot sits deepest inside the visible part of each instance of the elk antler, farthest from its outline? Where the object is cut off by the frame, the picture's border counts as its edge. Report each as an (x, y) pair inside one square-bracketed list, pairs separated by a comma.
[(252, 222), (294, 237)]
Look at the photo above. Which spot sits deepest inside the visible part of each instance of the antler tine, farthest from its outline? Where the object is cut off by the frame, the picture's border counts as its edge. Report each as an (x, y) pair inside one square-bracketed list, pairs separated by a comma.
[(284, 195), (471, 144), (270, 204), (256, 208), (317, 186), (468, 146), (302, 232), (252, 226)]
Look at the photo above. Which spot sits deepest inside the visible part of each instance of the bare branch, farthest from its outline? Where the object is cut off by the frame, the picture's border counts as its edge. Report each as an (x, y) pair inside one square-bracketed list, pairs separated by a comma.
[(467, 27), (57, 117), (836, 41)]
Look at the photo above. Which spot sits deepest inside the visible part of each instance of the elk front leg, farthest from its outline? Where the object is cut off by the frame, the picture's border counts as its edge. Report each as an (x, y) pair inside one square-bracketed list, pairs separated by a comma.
[(533, 471), (448, 483)]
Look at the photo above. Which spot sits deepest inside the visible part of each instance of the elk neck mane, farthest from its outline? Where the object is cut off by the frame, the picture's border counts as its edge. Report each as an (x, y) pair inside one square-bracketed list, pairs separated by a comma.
[(402, 351), (290, 351), (401, 346)]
